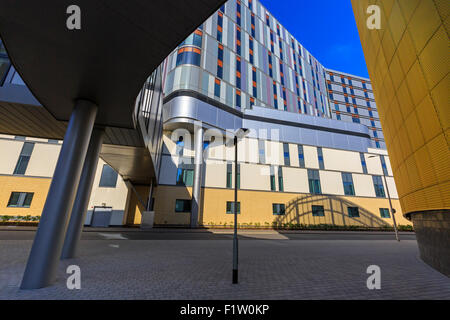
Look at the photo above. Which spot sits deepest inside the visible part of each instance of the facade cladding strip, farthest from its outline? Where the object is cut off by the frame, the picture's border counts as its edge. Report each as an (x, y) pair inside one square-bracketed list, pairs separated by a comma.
[(243, 57), (246, 116)]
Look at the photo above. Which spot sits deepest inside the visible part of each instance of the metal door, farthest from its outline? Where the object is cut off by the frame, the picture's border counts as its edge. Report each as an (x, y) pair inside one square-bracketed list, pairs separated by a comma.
[(101, 216)]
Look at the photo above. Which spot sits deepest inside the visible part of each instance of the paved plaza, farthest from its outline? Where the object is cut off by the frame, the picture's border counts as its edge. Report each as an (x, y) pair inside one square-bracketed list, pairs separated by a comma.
[(177, 264)]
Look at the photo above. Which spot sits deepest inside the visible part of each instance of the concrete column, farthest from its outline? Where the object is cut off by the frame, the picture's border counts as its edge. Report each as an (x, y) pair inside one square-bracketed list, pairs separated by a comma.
[(46, 250), (81, 203), (197, 186)]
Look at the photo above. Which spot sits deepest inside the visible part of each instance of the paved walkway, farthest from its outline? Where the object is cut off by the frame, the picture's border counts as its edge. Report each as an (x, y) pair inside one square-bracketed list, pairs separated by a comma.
[(271, 268)]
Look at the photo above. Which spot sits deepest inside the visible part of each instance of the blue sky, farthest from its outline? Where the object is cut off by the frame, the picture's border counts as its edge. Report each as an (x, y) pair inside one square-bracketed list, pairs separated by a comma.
[(326, 28)]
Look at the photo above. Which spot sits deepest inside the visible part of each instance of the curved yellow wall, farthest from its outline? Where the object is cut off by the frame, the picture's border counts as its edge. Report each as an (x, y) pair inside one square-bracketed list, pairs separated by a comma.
[(408, 62)]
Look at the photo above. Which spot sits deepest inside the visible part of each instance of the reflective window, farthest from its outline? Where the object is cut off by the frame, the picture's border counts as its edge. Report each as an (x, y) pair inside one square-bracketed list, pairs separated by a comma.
[(278, 209), (287, 161), (20, 199), (378, 185), (182, 205), (353, 212), (347, 180), (301, 156), (320, 157), (24, 158), (108, 178), (384, 213), (318, 211), (314, 181), (280, 179), (363, 162), (230, 207)]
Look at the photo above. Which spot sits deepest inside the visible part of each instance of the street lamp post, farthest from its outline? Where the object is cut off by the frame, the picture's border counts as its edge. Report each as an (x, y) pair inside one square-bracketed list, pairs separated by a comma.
[(390, 202), (238, 135)]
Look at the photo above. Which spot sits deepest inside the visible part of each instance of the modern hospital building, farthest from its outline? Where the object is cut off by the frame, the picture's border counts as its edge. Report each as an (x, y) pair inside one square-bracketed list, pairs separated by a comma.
[(315, 153)]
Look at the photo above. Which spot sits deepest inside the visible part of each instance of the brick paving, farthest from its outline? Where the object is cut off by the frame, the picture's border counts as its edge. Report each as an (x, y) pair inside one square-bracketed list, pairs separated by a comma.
[(201, 269)]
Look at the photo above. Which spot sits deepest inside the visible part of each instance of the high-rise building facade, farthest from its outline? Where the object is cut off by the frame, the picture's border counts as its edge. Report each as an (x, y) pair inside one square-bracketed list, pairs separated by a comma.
[(299, 164), (352, 100), (242, 56), (407, 59)]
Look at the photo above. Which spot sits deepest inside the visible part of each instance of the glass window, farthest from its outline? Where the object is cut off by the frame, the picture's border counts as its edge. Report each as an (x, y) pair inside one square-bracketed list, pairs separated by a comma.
[(314, 181), (278, 209), (108, 178), (230, 176), (320, 157), (378, 185), (272, 179), (301, 156), (363, 162), (20, 199), (353, 212), (14, 199), (182, 205), (230, 207), (24, 158), (194, 39), (280, 179), (217, 88), (287, 161), (383, 164), (318, 211), (347, 180), (384, 213)]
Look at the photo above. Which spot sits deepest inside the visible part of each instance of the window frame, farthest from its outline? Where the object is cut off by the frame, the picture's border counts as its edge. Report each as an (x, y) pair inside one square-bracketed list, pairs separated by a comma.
[(184, 210), (278, 209), (21, 200), (315, 209), (102, 183)]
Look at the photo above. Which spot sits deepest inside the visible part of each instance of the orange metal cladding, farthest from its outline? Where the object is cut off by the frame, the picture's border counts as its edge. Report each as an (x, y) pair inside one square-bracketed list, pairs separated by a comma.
[(189, 49)]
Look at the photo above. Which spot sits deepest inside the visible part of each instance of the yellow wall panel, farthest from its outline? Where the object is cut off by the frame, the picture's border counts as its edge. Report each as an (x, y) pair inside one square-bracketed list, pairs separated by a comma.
[(441, 99), (440, 155), (428, 120), (256, 207), (408, 7), (397, 23), (417, 84), (416, 124), (424, 22), (435, 69), (39, 186)]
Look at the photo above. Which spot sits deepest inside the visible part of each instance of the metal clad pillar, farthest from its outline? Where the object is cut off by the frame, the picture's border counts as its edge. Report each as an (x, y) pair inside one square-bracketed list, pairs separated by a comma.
[(46, 250), (197, 185), (81, 203)]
